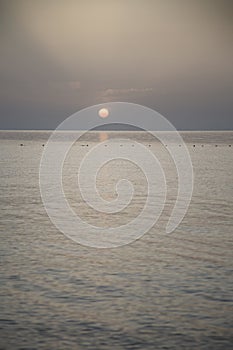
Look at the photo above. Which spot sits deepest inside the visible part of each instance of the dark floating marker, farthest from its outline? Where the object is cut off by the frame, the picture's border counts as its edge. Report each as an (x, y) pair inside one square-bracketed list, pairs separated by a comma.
[(229, 145), (194, 145), (149, 145), (202, 145), (216, 145), (21, 144), (43, 145), (105, 145)]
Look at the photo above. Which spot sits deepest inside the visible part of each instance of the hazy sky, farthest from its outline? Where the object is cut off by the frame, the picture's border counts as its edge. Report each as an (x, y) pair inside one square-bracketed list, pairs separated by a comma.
[(59, 56)]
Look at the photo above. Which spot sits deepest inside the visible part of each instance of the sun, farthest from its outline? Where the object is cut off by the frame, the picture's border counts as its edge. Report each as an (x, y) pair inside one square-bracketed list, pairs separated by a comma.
[(103, 113)]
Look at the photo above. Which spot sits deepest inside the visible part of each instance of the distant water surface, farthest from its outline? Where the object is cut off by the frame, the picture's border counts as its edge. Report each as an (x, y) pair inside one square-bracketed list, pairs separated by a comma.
[(160, 292)]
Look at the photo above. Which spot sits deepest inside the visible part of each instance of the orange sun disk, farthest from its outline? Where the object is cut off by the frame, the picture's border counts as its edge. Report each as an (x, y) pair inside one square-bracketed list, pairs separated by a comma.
[(103, 113)]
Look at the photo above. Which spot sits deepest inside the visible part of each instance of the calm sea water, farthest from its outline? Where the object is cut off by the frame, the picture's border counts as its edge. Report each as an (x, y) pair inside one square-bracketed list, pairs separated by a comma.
[(160, 292)]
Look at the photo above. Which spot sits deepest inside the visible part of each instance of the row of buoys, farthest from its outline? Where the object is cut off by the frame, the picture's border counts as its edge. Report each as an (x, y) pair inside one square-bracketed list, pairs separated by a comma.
[(21, 144), (210, 145), (24, 145), (151, 145)]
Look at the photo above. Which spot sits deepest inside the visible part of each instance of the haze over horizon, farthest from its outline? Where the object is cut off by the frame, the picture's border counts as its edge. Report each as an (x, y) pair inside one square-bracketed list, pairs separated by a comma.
[(58, 57)]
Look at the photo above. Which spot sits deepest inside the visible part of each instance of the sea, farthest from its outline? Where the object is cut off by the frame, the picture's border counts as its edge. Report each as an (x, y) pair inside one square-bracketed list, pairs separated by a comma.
[(160, 291)]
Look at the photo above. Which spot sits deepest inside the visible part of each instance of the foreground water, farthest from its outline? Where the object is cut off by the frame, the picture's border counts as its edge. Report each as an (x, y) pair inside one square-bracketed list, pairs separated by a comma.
[(160, 292)]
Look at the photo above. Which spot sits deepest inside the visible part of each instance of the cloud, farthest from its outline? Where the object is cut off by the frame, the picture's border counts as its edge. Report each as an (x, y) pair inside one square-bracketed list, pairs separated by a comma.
[(118, 93), (67, 85), (113, 92), (74, 85)]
